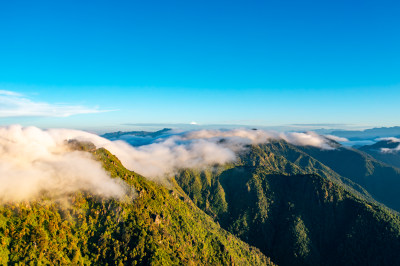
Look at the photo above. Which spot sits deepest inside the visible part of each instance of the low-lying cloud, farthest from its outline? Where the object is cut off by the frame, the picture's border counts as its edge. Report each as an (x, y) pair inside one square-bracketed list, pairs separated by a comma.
[(391, 150), (35, 162), (245, 136), (336, 138), (192, 149), (196, 149)]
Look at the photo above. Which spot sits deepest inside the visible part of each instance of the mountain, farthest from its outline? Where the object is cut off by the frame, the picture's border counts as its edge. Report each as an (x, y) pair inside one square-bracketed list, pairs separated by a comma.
[(392, 157), (159, 226), (372, 133), (282, 157), (382, 181), (293, 205), (151, 134), (137, 138), (295, 208)]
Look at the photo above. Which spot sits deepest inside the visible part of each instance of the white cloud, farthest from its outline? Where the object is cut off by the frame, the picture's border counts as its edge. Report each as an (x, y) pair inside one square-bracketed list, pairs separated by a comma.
[(196, 149), (34, 162), (336, 138), (13, 104), (390, 150), (247, 136)]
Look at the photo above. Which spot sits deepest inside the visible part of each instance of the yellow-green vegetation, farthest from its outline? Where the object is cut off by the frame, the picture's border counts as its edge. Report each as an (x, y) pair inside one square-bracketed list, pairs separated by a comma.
[(295, 209), (160, 226)]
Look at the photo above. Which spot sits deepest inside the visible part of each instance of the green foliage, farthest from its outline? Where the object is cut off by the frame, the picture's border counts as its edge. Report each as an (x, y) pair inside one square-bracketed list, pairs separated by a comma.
[(391, 158), (380, 180), (159, 227), (298, 211)]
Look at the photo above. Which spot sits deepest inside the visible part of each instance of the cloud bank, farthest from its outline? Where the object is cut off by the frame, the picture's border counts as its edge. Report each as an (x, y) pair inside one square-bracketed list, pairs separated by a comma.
[(196, 149), (34, 162), (245, 136), (13, 104)]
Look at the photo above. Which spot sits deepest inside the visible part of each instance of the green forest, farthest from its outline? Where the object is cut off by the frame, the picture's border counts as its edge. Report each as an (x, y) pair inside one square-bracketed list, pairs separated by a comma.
[(276, 204), (153, 226)]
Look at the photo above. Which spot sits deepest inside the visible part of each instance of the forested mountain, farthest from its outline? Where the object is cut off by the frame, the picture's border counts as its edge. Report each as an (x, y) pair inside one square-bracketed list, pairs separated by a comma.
[(295, 209), (382, 181), (385, 151), (118, 134), (159, 226), (298, 205)]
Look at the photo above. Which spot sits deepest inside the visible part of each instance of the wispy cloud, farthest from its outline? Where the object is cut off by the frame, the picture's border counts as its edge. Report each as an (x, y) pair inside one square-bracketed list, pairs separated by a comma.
[(9, 93), (391, 150), (321, 125), (13, 104)]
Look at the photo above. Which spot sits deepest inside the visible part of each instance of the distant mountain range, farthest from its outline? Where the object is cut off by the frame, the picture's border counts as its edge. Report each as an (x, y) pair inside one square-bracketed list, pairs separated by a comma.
[(367, 134), (373, 133), (137, 138), (119, 134)]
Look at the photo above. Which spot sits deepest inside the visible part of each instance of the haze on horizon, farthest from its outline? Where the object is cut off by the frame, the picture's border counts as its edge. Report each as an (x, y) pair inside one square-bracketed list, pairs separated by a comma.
[(146, 65)]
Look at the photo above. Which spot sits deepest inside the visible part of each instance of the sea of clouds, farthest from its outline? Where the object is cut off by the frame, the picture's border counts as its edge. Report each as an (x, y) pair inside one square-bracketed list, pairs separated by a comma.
[(34, 162)]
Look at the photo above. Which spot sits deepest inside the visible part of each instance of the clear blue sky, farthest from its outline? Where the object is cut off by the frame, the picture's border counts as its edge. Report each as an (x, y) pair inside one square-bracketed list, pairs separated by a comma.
[(214, 62)]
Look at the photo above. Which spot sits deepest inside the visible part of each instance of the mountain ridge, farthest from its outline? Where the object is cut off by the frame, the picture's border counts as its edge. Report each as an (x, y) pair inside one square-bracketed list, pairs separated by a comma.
[(278, 202), (390, 156), (159, 226), (294, 217)]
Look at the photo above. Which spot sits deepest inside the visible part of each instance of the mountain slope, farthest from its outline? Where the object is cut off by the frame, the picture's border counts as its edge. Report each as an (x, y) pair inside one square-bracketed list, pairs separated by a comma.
[(159, 226), (293, 217), (282, 157), (375, 150), (380, 180)]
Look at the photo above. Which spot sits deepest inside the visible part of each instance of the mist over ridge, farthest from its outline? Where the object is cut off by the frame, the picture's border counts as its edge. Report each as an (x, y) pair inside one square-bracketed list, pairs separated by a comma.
[(161, 153), (35, 161)]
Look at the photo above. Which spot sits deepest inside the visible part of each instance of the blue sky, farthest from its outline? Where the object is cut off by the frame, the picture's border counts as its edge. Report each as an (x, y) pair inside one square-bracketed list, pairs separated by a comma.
[(104, 64)]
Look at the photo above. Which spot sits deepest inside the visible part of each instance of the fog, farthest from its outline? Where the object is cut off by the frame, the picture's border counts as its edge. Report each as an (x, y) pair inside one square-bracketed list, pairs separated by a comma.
[(176, 150), (34, 162)]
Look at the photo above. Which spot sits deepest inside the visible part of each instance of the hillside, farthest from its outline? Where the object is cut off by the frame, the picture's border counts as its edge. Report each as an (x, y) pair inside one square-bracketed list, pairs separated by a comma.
[(158, 226), (381, 180), (292, 203), (282, 157), (392, 158), (295, 217)]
